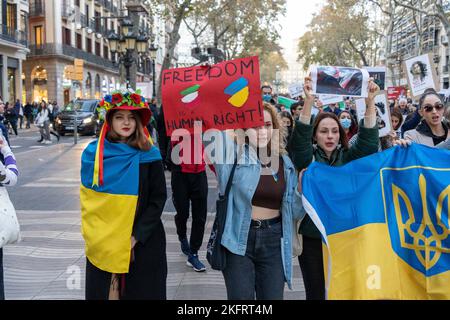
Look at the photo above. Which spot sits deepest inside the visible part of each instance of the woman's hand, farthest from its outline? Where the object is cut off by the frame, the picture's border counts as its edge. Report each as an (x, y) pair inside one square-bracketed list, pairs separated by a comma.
[(307, 88), (373, 89), (300, 177), (133, 242), (402, 142)]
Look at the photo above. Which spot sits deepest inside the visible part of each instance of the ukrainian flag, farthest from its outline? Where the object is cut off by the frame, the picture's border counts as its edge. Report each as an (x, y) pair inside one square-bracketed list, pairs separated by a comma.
[(108, 211), (385, 225)]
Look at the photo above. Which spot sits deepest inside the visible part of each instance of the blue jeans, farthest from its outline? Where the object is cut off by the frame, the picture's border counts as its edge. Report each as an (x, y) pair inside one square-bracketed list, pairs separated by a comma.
[(2, 287), (260, 271)]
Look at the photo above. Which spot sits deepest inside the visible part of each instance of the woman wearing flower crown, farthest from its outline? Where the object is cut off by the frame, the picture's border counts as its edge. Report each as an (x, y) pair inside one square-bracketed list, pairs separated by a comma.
[(122, 194)]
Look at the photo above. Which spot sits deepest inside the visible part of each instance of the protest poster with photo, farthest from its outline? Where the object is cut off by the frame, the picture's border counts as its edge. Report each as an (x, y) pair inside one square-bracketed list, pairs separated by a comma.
[(396, 92), (342, 81), (379, 76), (222, 96), (383, 113), (295, 90), (421, 74), (327, 100)]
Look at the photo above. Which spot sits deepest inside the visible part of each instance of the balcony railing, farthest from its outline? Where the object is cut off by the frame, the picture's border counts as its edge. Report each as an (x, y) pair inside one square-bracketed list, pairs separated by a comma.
[(66, 50), (13, 35), (445, 69), (37, 8)]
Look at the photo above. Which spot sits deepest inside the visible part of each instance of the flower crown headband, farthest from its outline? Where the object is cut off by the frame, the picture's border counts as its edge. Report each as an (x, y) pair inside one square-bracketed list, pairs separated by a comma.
[(118, 98), (115, 99)]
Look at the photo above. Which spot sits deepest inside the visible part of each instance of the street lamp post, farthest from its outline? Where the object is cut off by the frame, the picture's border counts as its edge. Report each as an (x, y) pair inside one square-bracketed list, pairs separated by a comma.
[(126, 45), (153, 51)]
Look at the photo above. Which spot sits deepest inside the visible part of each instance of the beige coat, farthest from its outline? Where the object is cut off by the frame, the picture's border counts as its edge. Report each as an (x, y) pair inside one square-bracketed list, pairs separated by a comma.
[(418, 137)]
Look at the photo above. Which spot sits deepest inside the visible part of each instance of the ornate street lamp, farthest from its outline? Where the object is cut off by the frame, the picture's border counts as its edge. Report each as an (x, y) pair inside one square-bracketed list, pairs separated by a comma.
[(153, 50)]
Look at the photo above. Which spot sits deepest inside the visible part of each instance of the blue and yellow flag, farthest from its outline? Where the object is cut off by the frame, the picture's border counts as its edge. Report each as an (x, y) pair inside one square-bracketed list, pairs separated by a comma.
[(385, 225), (108, 210)]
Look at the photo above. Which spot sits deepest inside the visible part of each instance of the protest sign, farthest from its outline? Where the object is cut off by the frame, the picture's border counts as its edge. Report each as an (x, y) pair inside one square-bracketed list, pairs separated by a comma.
[(343, 81), (421, 74), (286, 102), (383, 113), (327, 100), (222, 96), (379, 76), (295, 90), (395, 92)]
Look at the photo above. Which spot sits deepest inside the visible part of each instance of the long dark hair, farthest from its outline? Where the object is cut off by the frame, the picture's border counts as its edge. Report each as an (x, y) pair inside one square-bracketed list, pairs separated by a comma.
[(428, 92), (137, 140), (398, 114), (342, 135)]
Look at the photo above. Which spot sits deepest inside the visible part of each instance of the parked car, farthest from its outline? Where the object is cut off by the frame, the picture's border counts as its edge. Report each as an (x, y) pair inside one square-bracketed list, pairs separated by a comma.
[(87, 116)]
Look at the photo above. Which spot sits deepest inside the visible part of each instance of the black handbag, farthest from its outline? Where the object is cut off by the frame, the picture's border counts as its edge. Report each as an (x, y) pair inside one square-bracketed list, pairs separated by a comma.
[(216, 254)]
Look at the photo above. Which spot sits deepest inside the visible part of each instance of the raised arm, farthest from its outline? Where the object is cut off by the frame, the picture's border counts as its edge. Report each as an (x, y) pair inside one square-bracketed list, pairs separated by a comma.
[(367, 140), (301, 140)]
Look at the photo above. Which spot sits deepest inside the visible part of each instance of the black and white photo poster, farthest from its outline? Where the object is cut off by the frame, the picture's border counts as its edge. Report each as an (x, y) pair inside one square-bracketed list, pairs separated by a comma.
[(383, 113), (379, 76), (421, 74)]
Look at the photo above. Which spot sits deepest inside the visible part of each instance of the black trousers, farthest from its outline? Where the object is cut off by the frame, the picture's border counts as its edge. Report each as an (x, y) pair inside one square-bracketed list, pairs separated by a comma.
[(190, 188), (2, 286), (311, 264)]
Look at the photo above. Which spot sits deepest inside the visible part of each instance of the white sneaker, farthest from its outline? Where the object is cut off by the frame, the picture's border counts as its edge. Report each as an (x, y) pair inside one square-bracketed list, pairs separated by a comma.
[(43, 141), (48, 142)]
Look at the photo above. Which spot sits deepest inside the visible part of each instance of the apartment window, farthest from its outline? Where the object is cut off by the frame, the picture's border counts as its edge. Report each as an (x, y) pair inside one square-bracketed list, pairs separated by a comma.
[(87, 12), (97, 22), (77, 3), (38, 36), (79, 42), (11, 17), (88, 45), (66, 36), (97, 48), (105, 52)]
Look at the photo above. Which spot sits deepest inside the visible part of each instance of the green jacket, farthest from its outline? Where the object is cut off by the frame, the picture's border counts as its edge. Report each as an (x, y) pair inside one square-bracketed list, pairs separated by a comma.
[(303, 152)]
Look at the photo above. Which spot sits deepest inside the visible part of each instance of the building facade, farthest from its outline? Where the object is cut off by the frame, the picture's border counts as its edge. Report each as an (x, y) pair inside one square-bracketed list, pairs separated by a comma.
[(61, 31), (13, 47), (415, 34)]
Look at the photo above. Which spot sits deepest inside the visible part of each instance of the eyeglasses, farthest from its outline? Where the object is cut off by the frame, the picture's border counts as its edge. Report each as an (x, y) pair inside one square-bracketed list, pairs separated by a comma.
[(429, 108)]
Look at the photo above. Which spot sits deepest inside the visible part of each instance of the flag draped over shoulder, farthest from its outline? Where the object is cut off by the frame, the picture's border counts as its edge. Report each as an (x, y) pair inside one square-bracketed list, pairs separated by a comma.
[(384, 221), (108, 211)]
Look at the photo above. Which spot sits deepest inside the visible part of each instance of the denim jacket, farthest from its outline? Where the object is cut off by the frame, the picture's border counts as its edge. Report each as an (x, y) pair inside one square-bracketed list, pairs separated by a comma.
[(245, 182)]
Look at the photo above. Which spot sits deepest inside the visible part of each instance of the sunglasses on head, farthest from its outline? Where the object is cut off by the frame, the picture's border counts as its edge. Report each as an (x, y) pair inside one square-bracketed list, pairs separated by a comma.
[(429, 108)]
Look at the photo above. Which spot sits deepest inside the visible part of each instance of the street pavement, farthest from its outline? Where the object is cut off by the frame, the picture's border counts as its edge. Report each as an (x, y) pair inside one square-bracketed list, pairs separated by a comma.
[(49, 262)]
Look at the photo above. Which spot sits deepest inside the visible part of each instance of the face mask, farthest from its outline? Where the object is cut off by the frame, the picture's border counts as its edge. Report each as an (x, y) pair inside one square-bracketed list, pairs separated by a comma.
[(346, 123), (267, 97)]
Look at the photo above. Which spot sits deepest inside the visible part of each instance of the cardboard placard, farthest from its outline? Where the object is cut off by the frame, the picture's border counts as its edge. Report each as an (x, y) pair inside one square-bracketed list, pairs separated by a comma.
[(222, 96), (295, 90), (396, 92), (339, 81), (327, 100), (383, 113), (421, 74), (379, 76), (286, 102)]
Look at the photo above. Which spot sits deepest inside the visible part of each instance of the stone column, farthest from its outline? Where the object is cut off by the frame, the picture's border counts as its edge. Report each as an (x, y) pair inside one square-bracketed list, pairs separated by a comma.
[(5, 91)]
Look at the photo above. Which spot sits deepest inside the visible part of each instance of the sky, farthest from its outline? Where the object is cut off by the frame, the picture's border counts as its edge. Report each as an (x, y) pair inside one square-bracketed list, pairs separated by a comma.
[(294, 24)]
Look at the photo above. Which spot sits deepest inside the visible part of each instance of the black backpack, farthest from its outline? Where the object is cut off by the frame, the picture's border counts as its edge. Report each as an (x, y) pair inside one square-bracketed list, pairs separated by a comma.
[(51, 115)]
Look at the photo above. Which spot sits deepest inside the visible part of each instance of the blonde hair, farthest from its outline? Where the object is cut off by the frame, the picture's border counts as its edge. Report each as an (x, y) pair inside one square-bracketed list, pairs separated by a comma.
[(279, 136)]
